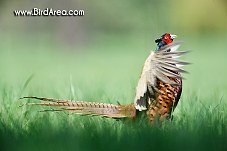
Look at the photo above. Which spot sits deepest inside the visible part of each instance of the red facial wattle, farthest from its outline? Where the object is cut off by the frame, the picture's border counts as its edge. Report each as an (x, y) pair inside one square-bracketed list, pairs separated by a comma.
[(167, 39)]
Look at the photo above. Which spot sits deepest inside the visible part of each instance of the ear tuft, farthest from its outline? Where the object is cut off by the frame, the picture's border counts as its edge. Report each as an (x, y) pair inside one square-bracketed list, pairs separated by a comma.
[(158, 40)]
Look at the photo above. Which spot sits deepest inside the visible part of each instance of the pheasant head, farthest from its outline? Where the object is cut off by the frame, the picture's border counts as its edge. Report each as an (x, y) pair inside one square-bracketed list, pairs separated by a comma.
[(165, 39)]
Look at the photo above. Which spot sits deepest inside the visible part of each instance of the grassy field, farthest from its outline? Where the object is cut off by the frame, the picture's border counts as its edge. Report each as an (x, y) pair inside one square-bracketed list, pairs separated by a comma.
[(107, 70)]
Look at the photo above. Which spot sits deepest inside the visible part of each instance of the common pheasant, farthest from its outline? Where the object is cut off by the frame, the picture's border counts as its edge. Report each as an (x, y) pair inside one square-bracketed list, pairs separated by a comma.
[(157, 93)]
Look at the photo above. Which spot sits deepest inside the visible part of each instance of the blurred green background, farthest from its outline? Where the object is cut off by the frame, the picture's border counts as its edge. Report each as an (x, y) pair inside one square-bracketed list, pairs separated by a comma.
[(98, 57)]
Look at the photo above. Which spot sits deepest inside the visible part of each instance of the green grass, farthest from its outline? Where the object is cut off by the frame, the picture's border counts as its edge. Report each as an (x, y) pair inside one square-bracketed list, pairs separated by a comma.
[(107, 71)]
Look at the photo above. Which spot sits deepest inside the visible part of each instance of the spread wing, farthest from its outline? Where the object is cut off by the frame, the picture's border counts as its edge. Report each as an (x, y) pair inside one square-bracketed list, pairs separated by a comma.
[(161, 64)]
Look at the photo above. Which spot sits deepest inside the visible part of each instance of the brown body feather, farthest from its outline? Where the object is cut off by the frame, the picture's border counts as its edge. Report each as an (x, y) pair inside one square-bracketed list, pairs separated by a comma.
[(165, 101)]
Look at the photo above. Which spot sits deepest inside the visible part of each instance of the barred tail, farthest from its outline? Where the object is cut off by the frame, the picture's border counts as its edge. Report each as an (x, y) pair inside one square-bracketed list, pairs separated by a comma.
[(87, 108)]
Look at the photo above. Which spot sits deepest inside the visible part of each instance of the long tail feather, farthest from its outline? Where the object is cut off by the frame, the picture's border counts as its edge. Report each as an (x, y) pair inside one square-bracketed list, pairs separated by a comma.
[(87, 108)]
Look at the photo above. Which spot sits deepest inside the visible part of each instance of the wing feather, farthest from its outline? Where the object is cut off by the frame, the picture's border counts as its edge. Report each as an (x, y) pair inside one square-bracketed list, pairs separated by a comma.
[(171, 67), (163, 77), (169, 73), (173, 61), (161, 65)]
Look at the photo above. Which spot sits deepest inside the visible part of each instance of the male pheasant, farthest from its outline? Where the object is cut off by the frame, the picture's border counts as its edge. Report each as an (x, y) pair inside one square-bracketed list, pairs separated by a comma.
[(157, 93)]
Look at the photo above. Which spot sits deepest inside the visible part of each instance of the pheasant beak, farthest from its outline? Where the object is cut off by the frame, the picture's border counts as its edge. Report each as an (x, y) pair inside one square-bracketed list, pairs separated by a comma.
[(173, 36)]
